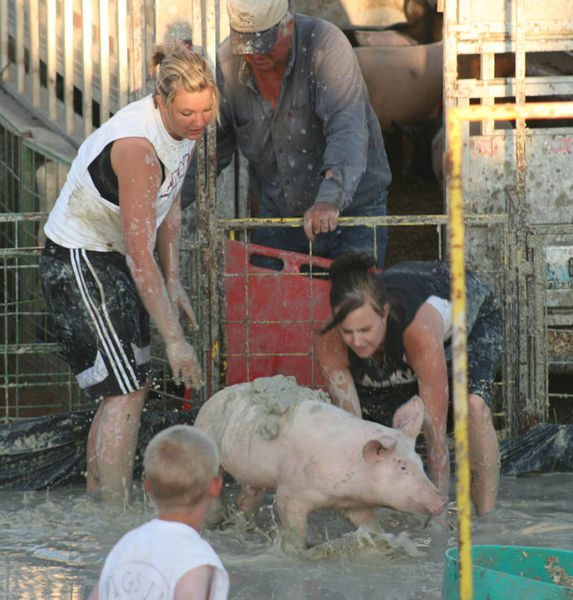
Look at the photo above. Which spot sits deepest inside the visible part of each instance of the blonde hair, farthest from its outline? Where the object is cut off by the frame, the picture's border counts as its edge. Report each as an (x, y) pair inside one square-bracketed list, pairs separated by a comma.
[(180, 462), (177, 67)]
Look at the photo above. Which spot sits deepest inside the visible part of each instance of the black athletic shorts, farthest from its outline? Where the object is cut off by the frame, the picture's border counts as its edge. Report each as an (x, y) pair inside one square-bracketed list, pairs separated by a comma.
[(99, 319), (484, 341)]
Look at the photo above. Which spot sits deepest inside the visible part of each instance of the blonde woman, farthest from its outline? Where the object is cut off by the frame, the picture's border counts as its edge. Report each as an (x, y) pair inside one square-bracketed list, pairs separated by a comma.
[(101, 280)]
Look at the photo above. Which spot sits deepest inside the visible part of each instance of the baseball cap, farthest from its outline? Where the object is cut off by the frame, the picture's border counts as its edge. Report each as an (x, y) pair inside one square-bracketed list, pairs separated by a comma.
[(255, 23)]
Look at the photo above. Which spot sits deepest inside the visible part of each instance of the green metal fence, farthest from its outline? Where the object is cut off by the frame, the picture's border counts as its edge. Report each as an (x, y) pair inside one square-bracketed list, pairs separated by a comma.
[(34, 379)]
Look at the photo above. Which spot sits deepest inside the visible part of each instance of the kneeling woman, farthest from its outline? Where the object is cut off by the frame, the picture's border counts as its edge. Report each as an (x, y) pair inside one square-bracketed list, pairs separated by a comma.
[(389, 336)]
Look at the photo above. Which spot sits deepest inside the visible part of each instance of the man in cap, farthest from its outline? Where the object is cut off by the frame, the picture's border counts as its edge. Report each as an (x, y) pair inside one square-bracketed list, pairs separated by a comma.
[(295, 102)]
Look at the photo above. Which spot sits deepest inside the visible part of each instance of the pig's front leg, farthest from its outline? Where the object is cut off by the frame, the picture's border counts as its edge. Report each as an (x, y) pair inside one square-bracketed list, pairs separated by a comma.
[(293, 515), (363, 516), (250, 499)]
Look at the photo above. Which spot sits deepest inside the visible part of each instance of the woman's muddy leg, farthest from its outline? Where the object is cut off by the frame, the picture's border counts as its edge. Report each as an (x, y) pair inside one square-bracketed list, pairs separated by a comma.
[(92, 475), (114, 442), (484, 455)]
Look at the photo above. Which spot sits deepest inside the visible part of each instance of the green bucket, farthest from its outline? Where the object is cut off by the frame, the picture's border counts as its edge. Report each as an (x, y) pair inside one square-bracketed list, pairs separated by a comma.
[(513, 573)]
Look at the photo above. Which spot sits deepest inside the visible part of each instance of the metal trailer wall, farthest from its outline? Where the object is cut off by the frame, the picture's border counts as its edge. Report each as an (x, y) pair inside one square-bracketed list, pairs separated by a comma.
[(499, 51), (74, 63)]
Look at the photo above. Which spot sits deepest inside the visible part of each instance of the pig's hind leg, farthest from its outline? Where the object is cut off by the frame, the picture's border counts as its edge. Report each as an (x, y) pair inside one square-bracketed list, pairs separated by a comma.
[(293, 514), (250, 499), (363, 516)]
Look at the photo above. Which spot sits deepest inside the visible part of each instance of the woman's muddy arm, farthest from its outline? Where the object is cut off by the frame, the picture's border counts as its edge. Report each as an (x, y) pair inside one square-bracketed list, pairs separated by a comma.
[(168, 237), (424, 348), (332, 355), (139, 175)]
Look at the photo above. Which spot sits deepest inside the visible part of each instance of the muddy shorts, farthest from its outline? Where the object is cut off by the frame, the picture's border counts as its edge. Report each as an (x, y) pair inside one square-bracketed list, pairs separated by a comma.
[(98, 317), (484, 326)]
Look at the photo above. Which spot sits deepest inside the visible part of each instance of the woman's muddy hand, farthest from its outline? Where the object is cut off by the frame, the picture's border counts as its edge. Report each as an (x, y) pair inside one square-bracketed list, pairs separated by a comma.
[(184, 364)]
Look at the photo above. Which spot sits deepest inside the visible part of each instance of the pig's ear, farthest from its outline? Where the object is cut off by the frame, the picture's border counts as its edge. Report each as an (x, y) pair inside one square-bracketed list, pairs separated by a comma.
[(374, 450), (409, 417)]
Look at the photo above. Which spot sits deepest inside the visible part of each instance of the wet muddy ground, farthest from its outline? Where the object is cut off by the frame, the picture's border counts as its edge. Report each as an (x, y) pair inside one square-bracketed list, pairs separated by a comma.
[(53, 545)]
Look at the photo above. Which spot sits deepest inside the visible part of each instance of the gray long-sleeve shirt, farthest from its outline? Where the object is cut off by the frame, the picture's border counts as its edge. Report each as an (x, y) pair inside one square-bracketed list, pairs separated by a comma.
[(322, 120)]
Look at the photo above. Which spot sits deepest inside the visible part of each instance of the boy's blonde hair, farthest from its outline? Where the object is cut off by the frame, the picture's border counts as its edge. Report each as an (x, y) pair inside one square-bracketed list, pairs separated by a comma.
[(177, 67), (180, 462)]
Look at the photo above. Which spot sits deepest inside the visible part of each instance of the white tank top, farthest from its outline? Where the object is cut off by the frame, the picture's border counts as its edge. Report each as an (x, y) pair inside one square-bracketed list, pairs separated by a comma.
[(444, 307), (148, 561), (81, 217)]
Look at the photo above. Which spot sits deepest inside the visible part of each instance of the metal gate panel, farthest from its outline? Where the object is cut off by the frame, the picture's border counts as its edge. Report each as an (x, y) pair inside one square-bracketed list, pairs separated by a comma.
[(517, 51)]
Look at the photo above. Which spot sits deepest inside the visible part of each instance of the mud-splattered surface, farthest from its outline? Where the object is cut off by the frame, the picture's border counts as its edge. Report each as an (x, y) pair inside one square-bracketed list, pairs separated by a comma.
[(53, 544)]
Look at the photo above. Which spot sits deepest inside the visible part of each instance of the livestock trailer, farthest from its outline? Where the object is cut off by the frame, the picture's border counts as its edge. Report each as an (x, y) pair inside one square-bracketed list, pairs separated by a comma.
[(520, 52)]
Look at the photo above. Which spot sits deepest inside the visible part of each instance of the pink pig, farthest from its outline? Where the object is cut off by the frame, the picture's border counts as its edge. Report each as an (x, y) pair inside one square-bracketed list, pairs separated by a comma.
[(274, 434)]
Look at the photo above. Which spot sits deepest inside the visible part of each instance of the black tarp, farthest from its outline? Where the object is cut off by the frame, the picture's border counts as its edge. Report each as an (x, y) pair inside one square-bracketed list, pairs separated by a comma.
[(50, 451), (546, 448)]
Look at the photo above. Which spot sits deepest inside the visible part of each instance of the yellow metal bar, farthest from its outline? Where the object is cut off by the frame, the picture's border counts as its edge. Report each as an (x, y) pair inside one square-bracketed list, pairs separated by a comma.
[(459, 341), (403, 220), (505, 112), (454, 118)]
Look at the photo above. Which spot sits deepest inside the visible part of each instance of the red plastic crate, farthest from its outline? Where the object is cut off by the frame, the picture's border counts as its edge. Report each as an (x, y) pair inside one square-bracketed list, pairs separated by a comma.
[(273, 316)]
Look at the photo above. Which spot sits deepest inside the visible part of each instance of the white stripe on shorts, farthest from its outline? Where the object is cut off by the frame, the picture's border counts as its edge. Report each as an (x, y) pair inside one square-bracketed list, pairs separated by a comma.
[(112, 346)]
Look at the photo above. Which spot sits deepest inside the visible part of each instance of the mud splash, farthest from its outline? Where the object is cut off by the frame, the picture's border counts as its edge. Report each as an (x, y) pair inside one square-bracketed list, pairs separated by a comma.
[(53, 545)]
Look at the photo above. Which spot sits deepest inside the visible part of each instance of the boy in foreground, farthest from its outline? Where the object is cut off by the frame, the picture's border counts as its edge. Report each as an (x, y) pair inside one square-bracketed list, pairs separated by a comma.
[(166, 557)]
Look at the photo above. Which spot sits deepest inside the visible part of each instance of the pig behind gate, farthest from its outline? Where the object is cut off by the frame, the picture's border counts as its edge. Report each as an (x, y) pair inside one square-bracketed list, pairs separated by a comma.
[(274, 434)]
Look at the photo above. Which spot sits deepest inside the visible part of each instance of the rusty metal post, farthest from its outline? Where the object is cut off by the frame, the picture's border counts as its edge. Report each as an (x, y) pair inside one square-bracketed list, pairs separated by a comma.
[(204, 35), (216, 237), (459, 346)]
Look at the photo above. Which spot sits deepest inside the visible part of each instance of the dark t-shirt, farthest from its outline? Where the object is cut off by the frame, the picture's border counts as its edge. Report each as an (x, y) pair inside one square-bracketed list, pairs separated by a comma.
[(383, 387), (408, 285)]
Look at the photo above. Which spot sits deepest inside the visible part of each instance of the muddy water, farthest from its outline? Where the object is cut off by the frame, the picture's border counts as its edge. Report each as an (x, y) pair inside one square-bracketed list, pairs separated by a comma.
[(52, 545)]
